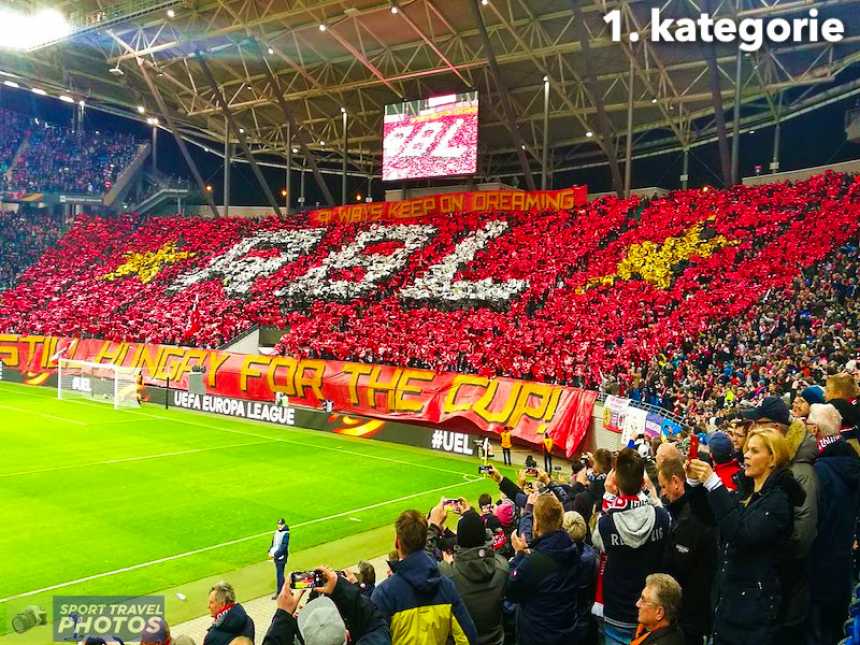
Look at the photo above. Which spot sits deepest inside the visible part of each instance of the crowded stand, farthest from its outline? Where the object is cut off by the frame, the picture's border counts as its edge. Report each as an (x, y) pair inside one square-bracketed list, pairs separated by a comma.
[(24, 237), (56, 159), (585, 297)]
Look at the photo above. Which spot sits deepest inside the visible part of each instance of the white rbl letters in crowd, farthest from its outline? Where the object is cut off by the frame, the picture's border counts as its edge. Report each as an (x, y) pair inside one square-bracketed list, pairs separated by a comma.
[(446, 441), (238, 269)]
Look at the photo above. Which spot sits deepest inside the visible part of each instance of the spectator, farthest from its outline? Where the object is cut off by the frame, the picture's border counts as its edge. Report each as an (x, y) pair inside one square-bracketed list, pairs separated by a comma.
[(486, 508), (420, 605), (545, 579), (755, 534), (230, 619), (838, 471), (723, 453), (601, 466), (480, 575), (365, 578), (691, 552), (809, 396), (633, 534), (738, 430), (841, 392), (659, 607), (802, 450), (341, 612), (576, 527), (156, 632)]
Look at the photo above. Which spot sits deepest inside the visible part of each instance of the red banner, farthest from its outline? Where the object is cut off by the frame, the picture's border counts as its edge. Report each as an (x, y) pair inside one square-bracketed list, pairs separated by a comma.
[(462, 401), (445, 203)]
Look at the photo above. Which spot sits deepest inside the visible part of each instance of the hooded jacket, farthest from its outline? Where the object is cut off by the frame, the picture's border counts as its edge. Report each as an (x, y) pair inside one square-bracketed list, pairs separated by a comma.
[(547, 586), (795, 568), (480, 575), (803, 451), (633, 535), (232, 623), (422, 607), (754, 538), (838, 470)]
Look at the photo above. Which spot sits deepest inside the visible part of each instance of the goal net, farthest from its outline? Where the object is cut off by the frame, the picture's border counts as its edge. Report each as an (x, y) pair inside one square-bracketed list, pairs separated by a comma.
[(102, 382)]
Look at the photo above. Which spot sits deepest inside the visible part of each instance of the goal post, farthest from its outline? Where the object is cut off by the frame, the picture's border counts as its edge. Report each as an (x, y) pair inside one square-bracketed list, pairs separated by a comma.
[(102, 382)]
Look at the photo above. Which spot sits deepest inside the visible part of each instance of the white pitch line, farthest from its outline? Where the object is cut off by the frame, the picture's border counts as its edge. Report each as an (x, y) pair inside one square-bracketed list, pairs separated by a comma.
[(247, 538), (42, 414), (278, 439), (127, 459)]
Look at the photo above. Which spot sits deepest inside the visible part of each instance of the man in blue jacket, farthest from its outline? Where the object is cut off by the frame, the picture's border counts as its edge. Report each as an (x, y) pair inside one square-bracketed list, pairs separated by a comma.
[(422, 606), (545, 579), (278, 553)]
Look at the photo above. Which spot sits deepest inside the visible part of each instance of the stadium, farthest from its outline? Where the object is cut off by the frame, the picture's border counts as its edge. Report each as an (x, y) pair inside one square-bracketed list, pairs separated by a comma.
[(428, 321)]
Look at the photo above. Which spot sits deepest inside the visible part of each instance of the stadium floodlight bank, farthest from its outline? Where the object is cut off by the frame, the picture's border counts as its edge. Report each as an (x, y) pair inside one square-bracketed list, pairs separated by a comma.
[(103, 382)]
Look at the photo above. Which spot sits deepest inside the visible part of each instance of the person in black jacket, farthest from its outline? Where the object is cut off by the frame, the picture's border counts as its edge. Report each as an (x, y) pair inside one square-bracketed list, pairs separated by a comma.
[(691, 553), (230, 617), (838, 471), (755, 526), (544, 579), (327, 618)]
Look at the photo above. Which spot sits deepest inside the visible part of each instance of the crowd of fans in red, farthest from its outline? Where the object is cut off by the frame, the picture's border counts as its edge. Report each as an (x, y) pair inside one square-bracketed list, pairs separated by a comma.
[(561, 327), (56, 159)]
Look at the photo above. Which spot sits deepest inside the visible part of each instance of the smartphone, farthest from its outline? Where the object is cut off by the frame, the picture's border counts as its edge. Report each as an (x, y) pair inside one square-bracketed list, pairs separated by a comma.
[(485, 469), (452, 504), (307, 579), (694, 447), (532, 472)]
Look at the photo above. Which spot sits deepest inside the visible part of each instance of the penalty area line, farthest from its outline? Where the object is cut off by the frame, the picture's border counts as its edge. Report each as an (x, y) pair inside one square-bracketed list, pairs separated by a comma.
[(212, 547)]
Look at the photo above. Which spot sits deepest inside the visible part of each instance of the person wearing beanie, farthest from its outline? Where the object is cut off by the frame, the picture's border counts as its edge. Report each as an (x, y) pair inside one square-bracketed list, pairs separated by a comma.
[(838, 471), (810, 395), (723, 452), (480, 576)]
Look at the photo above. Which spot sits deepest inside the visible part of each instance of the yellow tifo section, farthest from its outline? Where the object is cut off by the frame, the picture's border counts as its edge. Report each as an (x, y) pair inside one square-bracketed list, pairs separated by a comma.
[(654, 262), (147, 265)]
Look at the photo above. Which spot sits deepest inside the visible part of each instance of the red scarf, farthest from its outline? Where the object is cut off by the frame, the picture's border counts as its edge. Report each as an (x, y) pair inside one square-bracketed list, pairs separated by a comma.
[(225, 610)]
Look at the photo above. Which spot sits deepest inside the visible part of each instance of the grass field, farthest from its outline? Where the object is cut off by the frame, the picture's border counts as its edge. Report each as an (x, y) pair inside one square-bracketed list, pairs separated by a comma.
[(129, 502)]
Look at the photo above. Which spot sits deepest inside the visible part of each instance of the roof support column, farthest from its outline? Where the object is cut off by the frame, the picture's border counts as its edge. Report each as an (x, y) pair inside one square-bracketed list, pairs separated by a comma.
[(168, 117), (504, 97), (243, 143)]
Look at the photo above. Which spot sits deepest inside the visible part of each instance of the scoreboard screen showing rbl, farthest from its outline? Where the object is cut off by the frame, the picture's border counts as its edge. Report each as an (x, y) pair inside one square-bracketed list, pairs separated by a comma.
[(434, 137)]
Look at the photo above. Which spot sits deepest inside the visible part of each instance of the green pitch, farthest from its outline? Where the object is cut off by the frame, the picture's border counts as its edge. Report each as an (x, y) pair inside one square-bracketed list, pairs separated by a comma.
[(128, 502)]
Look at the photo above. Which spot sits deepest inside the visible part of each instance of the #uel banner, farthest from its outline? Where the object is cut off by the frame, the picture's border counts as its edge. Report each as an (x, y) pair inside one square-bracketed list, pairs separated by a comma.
[(462, 402), (441, 204)]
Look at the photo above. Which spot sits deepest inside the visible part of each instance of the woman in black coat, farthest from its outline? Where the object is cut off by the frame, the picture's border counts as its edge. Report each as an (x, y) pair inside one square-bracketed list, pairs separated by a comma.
[(755, 524)]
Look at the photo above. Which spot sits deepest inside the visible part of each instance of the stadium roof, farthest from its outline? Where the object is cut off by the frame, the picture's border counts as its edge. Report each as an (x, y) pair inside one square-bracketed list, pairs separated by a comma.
[(368, 56)]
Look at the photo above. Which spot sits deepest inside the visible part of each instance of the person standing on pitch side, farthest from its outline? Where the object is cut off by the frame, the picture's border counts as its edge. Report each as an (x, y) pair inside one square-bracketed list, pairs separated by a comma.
[(279, 552)]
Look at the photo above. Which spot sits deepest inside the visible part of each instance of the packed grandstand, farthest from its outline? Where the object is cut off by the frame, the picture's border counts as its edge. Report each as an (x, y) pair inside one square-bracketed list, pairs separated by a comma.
[(361, 394)]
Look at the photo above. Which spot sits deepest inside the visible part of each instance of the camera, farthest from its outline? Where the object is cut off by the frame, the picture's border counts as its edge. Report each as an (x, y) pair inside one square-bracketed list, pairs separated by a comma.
[(30, 617), (485, 469), (307, 579)]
